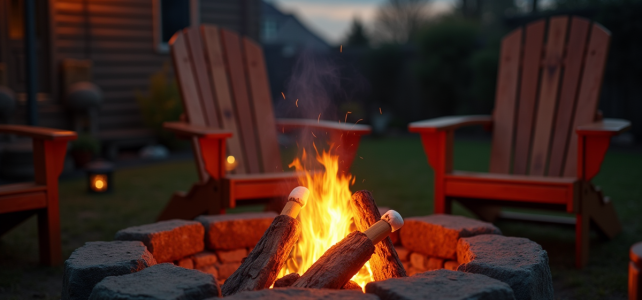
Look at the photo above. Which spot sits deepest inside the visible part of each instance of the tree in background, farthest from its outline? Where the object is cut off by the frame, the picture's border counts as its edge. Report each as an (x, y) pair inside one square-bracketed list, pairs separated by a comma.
[(357, 36), (400, 20), (445, 73)]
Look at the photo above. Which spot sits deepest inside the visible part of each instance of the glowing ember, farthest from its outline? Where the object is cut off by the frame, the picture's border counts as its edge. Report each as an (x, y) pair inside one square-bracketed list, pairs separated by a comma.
[(328, 217)]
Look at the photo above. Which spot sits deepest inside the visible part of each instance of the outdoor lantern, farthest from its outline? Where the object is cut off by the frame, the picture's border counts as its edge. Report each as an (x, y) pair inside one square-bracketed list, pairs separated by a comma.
[(99, 177), (231, 163)]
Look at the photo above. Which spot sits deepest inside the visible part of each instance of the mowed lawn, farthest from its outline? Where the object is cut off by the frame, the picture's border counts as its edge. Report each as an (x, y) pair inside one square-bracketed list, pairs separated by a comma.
[(394, 169)]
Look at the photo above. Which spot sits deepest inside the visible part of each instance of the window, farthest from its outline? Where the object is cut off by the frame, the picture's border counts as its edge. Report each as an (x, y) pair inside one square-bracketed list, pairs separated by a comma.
[(172, 16), (269, 29)]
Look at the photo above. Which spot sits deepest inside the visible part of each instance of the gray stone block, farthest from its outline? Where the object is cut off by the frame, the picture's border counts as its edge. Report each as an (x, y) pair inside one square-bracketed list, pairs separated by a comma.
[(302, 294), (167, 240), (234, 231), (437, 235), (160, 282), (519, 262), (94, 261), (441, 284)]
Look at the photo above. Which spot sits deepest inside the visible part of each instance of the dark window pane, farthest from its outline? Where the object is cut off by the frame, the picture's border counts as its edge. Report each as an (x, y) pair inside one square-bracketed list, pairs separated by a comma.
[(174, 16)]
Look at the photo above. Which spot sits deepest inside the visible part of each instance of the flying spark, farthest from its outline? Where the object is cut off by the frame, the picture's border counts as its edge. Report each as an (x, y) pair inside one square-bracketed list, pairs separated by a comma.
[(283, 95)]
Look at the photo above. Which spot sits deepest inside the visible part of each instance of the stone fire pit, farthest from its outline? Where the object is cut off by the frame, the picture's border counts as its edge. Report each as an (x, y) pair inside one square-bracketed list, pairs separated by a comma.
[(446, 257)]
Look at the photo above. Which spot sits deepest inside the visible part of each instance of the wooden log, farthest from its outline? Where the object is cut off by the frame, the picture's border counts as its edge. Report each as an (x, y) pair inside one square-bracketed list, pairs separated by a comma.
[(260, 268), (337, 265), (287, 280), (385, 262), (351, 285)]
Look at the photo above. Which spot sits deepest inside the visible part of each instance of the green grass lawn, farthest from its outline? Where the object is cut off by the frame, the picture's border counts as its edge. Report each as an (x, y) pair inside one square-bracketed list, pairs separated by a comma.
[(394, 169)]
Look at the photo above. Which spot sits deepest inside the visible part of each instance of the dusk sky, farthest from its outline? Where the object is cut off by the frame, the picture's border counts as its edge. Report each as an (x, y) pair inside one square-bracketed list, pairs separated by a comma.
[(331, 18)]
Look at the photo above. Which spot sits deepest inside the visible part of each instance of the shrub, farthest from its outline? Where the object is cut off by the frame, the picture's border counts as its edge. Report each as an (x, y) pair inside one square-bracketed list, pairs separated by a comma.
[(162, 103)]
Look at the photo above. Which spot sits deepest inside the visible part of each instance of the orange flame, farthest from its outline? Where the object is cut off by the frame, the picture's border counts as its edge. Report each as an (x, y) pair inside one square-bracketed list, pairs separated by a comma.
[(326, 219)]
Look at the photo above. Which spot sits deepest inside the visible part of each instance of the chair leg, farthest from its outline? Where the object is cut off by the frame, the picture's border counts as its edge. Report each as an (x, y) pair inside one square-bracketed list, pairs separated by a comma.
[(582, 238), (49, 244)]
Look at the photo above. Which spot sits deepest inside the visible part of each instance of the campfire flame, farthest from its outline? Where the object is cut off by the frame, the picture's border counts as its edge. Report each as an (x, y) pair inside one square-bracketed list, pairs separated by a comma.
[(327, 218)]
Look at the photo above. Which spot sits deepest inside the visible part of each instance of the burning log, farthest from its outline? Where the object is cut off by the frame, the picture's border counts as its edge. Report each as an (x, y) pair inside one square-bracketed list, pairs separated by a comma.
[(343, 260), (260, 268), (287, 280), (385, 262)]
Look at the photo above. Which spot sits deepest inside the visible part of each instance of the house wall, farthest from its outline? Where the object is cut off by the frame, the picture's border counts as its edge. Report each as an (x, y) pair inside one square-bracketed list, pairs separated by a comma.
[(242, 16), (118, 37)]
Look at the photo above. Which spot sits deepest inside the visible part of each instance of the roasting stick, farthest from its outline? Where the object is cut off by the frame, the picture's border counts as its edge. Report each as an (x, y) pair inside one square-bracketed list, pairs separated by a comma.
[(385, 262), (343, 260), (260, 268)]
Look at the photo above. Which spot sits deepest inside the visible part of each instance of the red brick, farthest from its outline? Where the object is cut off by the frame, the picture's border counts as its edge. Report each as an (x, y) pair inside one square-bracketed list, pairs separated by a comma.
[(225, 270), (418, 260), (204, 259), (167, 240), (232, 255), (186, 263), (403, 253), (434, 263), (234, 231), (437, 235), (451, 265)]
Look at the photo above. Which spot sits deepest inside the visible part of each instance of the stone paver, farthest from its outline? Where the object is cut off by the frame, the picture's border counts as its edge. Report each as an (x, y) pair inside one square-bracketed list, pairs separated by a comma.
[(441, 285), (160, 282), (437, 235), (94, 261), (302, 294), (167, 240), (234, 231), (519, 262)]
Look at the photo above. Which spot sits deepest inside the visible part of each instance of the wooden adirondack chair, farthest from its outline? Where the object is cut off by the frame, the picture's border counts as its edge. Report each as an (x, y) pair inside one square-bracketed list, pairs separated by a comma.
[(548, 138), (226, 96), (20, 201)]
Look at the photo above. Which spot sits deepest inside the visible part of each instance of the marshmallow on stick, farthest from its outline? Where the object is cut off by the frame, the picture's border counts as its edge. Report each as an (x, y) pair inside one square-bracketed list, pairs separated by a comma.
[(260, 268), (385, 262), (343, 260)]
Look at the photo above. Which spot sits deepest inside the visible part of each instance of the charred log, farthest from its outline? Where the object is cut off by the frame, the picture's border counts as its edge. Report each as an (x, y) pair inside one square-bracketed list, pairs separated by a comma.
[(385, 262)]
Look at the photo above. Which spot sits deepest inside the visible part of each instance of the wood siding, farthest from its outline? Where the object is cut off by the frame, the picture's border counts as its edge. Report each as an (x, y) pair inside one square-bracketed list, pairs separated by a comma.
[(118, 36)]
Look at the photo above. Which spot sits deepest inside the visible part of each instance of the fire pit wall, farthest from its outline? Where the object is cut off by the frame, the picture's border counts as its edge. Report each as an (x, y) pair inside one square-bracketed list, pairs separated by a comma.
[(217, 244)]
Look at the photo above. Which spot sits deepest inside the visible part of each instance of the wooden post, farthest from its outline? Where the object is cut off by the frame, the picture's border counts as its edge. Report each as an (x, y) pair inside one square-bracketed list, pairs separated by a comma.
[(343, 260), (385, 262), (260, 268)]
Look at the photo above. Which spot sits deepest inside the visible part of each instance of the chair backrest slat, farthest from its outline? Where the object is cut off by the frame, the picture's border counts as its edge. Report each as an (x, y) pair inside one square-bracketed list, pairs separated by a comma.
[(245, 116), (195, 46), (187, 84), (505, 101), (531, 62), (578, 34), (220, 84), (263, 108), (556, 94), (547, 102), (589, 91)]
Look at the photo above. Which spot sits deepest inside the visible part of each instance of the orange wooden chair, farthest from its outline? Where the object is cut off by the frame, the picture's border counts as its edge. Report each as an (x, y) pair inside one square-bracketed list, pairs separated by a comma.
[(22, 200), (226, 96), (549, 139)]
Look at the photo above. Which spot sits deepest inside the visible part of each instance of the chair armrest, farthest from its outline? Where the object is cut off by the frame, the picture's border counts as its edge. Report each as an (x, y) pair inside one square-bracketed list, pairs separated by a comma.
[(41, 133), (608, 127), (449, 123), (185, 129), (289, 124)]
